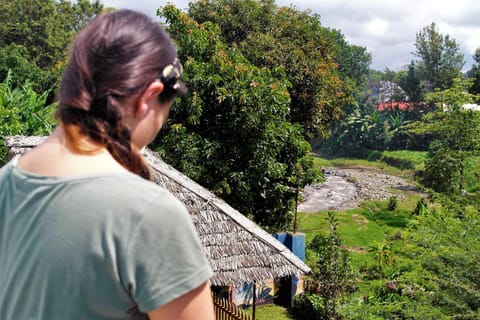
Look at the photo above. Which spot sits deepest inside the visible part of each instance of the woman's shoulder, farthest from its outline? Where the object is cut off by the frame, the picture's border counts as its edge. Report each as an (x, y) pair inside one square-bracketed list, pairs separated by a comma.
[(144, 200), (138, 189), (127, 197), (130, 185)]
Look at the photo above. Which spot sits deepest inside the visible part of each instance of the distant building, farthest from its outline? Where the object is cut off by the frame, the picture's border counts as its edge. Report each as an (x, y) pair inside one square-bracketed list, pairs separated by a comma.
[(395, 105), (466, 106), (471, 106)]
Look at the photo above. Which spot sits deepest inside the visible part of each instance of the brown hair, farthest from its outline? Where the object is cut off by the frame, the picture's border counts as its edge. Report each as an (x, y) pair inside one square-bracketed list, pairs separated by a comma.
[(117, 55)]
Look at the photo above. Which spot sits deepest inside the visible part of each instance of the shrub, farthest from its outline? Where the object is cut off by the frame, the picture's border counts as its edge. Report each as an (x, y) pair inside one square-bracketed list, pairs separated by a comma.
[(421, 209), (307, 306), (375, 155), (23, 112), (392, 203)]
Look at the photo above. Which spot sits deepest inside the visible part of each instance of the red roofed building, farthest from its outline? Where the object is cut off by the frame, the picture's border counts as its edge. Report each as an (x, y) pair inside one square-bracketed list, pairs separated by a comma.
[(395, 105)]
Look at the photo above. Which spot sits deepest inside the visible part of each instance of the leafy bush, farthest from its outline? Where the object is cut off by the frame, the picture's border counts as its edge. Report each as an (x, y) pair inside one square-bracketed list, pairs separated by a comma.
[(422, 208), (16, 65), (392, 203), (375, 155), (308, 306), (23, 112)]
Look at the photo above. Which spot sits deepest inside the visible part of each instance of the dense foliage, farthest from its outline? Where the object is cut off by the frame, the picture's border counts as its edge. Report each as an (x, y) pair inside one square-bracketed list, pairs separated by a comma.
[(322, 67), (441, 60), (23, 112), (455, 147), (367, 129), (35, 35), (474, 73), (231, 132)]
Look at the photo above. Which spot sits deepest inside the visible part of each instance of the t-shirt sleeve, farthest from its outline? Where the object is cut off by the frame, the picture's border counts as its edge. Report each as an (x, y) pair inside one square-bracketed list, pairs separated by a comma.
[(165, 259)]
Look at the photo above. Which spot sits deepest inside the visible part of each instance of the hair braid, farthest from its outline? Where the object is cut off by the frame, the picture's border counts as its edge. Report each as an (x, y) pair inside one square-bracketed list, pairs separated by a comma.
[(118, 142), (104, 126)]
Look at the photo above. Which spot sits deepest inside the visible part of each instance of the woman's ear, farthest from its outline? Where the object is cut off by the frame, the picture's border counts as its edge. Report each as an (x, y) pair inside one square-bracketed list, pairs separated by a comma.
[(147, 98)]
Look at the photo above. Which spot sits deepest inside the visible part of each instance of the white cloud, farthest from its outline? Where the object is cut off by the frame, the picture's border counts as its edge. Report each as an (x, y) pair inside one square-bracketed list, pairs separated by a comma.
[(387, 28), (376, 28), (472, 40)]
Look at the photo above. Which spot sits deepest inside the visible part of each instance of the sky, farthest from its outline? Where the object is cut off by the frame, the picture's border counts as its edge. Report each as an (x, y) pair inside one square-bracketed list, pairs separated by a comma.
[(386, 28)]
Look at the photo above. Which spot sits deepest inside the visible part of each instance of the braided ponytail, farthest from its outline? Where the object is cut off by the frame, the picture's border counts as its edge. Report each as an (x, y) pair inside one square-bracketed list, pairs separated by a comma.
[(116, 56), (108, 132)]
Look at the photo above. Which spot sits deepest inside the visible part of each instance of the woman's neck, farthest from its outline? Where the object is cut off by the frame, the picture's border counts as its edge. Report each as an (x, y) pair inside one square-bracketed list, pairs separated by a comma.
[(55, 157)]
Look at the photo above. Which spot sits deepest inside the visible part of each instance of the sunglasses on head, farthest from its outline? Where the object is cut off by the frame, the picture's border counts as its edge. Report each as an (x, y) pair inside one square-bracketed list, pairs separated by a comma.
[(170, 77)]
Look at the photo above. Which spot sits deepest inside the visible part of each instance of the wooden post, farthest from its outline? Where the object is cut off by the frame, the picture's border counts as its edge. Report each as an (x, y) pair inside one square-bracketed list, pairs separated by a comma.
[(254, 298), (296, 211)]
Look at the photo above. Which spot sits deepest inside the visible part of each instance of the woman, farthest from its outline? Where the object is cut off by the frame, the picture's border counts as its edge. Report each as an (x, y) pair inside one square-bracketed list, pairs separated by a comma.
[(83, 233)]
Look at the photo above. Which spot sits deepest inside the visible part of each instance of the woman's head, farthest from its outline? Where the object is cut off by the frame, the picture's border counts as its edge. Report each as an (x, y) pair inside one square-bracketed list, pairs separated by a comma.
[(114, 59)]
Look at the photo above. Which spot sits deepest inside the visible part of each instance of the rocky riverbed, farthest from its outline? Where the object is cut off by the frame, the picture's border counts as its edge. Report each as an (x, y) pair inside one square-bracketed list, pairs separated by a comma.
[(346, 188)]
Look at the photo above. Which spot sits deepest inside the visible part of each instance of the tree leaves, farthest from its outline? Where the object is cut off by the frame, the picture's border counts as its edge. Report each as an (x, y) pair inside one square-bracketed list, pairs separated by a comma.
[(321, 66), (231, 132), (35, 35), (23, 111), (456, 134), (440, 57)]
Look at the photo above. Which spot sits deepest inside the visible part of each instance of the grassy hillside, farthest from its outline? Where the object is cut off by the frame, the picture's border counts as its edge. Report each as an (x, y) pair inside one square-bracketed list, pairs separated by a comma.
[(408, 263), (410, 260)]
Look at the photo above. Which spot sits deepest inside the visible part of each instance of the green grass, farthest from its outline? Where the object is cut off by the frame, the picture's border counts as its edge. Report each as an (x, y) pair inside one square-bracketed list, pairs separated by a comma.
[(368, 225), (389, 219), (356, 163), (372, 223), (270, 312), (413, 156), (399, 162), (405, 159), (354, 229)]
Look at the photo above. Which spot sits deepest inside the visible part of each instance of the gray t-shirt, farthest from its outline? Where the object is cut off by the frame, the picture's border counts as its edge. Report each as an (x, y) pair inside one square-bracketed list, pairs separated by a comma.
[(110, 246)]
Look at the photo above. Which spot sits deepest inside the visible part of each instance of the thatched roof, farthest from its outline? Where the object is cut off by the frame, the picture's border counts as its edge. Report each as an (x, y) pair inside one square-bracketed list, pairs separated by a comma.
[(238, 249)]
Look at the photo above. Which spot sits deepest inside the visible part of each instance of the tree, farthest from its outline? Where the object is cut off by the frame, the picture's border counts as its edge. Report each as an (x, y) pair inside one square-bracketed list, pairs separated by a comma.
[(78, 13), (236, 19), (382, 252), (28, 23), (456, 134), (295, 40), (14, 62), (474, 73), (231, 132), (411, 84), (39, 32), (441, 60), (353, 63)]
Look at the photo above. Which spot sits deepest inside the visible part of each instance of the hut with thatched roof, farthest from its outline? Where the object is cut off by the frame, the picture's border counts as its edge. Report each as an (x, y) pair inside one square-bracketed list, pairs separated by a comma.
[(239, 251)]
